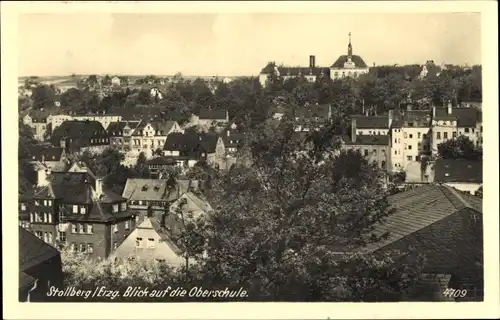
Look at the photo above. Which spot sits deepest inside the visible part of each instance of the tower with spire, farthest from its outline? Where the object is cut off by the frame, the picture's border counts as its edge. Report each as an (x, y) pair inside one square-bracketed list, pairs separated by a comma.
[(349, 48)]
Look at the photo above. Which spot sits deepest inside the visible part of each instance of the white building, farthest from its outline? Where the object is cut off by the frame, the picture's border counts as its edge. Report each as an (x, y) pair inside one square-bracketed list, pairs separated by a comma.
[(450, 122), (410, 138), (345, 66), (104, 119), (348, 65)]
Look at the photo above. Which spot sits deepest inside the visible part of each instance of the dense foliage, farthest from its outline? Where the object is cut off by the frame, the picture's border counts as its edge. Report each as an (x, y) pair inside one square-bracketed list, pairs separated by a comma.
[(460, 147)]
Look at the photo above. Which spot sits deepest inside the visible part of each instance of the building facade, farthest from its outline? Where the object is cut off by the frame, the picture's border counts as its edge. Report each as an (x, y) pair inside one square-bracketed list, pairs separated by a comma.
[(76, 210), (450, 122), (345, 66)]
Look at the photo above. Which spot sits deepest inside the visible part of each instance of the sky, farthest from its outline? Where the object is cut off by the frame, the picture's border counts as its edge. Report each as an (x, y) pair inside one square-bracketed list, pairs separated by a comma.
[(237, 44)]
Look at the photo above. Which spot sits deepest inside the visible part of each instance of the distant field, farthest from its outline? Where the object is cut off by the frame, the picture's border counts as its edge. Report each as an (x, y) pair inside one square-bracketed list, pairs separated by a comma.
[(71, 81)]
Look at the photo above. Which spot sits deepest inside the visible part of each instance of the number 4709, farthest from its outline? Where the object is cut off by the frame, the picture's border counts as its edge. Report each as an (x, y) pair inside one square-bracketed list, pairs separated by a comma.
[(455, 293)]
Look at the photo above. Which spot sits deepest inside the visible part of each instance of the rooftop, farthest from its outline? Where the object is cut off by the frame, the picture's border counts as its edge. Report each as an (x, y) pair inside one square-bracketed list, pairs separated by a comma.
[(458, 170)]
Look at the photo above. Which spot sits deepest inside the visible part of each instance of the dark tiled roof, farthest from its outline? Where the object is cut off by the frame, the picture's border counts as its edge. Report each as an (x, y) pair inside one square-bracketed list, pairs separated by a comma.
[(304, 71), (161, 127), (25, 280), (47, 153), (116, 128), (39, 116), (234, 138), (458, 170), (79, 129), (33, 251), (372, 122), (369, 140), (213, 114), (419, 208), (466, 117), (160, 161), (358, 61), (79, 188), (322, 111), (190, 142)]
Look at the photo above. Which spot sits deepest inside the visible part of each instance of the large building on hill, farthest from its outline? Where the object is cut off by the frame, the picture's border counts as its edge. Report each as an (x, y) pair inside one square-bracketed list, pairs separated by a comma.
[(348, 65)]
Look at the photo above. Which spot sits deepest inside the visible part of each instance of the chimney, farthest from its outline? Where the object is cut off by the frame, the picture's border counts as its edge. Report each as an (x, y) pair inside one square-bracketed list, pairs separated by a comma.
[(390, 118), (353, 130), (312, 62), (433, 112), (449, 107), (98, 187), (42, 177)]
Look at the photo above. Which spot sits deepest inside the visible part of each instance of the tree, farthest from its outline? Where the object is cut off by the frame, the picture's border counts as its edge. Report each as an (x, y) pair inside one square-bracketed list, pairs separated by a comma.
[(43, 97), (71, 100), (460, 147), (26, 173), (278, 224), (141, 168)]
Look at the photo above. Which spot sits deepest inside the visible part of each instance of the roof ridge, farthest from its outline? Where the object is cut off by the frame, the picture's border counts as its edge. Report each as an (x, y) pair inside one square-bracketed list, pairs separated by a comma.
[(457, 195)]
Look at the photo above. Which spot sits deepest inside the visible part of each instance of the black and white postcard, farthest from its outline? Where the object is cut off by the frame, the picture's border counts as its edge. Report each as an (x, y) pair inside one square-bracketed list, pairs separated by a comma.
[(252, 158)]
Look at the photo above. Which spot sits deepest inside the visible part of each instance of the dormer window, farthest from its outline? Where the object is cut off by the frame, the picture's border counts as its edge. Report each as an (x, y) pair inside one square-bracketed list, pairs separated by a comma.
[(144, 187), (123, 206), (115, 208)]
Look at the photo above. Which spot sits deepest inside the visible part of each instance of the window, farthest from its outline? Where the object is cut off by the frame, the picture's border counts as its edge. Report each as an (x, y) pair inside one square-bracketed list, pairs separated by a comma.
[(405, 135), (409, 158), (438, 135), (138, 242), (454, 134), (406, 146), (39, 234), (83, 210), (115, 228), (62, 236), (395, 140), (151, 243), (418, 135), (23, 207), (366, 152), (45, 219), (72, 247), (38, 217), (73, 228), (409, 147), (49, 237), (81, 228), (75, 209), (411, 136), (374, 151), (90, 228), (467, 130), (31, 217), (419, 146), (395, 152), (137, 219), (37, 203), (49, 217), (472, 130), (383, 164), (445, 135), (115, 245), (83, 247), (90, 247), (44, 202), (417, 158), (127, 225), (123, 206), (115, 208)]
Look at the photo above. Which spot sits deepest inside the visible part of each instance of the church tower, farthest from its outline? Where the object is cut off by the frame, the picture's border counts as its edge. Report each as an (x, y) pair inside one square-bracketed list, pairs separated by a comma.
[(349, 48)]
